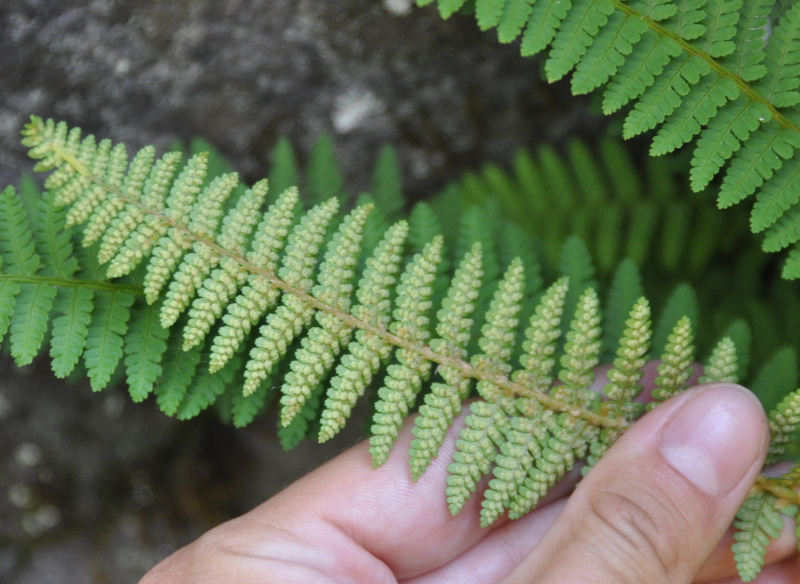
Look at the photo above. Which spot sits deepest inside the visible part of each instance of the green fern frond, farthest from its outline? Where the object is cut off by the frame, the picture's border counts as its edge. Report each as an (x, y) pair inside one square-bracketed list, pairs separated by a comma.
[(714, 71), (677, 362), (784, 421), (323, 342), (757, 523), (404, 379), (264, 304), (721, 366), (453, 328)]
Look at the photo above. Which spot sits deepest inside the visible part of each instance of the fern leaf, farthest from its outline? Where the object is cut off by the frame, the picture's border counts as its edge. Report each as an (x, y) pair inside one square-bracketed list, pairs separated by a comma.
[(521, 445), (100, 211), (576, 265), (721, 19), (16, 238), (777, 377), (145, 345), (757, 523), (259, 293), (499, 332), (488, 12), (202, 258), (293, 315), (225, 281), (443, 402), (587, 17), (782, 78), (52, 242), (681, 302), (476, 449), (624, 379), (300, 427), (663, 97), (784, 421), (244, 409), (639, 71), (207, 390), (113, 170), (404, 379), (387, 183), (153, 196), (768, 147), (446, 7), (721, 365), (718, 142), (613, 43), (568, 441), (176, 376), (771, 203), (544, 21), (29, 322), (746, 60), (741, 335), (626, 289), (105, 339), (9, 289), (366, 353), (70, 328), (581, 352), (697, 108), (676, 365), (541, 337), (204, 218), (513, 19), (323, 343)]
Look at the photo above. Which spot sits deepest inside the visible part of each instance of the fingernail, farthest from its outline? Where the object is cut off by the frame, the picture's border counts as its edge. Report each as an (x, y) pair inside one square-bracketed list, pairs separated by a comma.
[(714, 438)]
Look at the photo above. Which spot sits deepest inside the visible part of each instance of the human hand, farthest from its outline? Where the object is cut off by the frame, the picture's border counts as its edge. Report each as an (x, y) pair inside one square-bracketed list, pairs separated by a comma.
[(655, 509)]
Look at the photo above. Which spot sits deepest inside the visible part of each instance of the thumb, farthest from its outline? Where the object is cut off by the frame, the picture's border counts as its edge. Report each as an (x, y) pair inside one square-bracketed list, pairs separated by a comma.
[(657, 504)]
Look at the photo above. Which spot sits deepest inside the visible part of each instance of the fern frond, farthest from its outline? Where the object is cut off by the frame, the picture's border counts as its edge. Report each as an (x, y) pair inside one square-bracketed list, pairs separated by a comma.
[(757, 523), (204, 264), (291, 317), (624, 379), (676, 363), (712, 71), (257, 294), (443, 402), (323, 342), (721, 365), (404, 379), (784, 421)]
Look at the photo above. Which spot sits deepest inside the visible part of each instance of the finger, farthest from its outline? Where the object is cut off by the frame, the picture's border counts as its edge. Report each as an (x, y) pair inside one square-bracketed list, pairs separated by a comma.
[(406, 525), (659, 519), (346, 518)]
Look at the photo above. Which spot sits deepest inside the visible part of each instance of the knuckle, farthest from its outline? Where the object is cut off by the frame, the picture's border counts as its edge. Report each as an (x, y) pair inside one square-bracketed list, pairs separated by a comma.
[(641, 525)]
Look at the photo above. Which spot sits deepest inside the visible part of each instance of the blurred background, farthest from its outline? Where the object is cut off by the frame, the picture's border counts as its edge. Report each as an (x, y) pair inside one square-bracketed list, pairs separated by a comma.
[(94, 488)]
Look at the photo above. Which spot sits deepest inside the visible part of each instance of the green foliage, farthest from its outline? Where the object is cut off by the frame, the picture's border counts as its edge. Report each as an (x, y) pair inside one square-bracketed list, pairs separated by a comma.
[(206, 299), (757, 524), (723, 73)]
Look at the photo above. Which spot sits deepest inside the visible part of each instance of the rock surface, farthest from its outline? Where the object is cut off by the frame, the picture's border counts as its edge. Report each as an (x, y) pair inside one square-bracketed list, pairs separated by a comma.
[(94, 488)]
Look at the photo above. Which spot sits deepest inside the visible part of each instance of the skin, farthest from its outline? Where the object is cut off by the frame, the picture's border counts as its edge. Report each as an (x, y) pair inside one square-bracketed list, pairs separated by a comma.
[(653, 521)]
